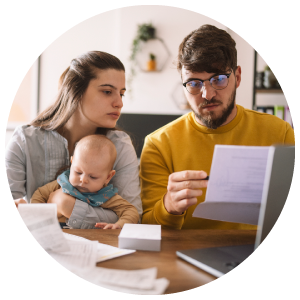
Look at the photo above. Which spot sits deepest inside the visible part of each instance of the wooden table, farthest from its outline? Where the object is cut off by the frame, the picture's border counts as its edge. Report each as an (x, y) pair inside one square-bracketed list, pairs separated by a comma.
[(182, 275)]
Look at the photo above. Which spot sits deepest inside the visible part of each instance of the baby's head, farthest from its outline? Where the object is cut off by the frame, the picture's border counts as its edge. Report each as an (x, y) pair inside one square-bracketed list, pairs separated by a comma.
[(92, 163)]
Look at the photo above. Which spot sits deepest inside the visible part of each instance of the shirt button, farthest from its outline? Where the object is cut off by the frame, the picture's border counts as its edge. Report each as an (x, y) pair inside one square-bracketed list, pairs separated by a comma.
[(74, 222)]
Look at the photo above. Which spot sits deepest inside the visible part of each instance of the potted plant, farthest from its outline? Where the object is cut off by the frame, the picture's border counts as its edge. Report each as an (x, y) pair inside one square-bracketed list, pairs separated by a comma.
[(151, 64), (144, 33)]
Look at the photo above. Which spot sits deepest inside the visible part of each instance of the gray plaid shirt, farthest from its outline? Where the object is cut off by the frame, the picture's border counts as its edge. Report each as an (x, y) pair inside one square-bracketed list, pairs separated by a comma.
[(33, 156)]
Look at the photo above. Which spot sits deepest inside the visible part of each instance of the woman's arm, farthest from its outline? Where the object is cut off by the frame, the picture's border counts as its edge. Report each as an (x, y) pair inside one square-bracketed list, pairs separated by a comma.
[(127, 179), (15, 161)]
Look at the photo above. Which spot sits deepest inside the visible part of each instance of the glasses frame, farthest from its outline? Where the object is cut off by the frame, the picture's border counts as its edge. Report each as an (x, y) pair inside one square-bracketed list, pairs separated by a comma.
[(227, 75)]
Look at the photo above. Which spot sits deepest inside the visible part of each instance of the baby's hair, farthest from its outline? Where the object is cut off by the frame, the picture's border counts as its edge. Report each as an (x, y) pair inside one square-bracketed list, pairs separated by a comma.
[(100, 143)]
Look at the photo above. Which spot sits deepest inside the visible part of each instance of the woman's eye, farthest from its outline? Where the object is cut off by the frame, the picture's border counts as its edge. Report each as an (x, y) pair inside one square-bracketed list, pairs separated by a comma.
[(107, 92), (122, 95)]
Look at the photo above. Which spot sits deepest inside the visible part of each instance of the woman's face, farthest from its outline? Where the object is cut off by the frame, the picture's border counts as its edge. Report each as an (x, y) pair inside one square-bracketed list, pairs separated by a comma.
[(102, 101)]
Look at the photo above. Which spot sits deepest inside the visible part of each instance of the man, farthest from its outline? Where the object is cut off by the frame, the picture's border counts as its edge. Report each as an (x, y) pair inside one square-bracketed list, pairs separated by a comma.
[(177, 158)]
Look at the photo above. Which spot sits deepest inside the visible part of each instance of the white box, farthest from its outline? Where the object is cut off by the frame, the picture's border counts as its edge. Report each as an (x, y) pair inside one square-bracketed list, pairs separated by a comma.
[(140, 237)]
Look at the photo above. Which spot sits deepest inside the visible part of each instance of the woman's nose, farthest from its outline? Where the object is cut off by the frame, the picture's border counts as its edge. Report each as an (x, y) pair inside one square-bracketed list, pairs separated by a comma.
[(118, 102), (208, 92)]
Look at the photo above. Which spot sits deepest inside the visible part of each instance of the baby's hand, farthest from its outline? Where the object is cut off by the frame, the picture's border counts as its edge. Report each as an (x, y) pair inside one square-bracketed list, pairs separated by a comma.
[(107, 226), (19, 201)]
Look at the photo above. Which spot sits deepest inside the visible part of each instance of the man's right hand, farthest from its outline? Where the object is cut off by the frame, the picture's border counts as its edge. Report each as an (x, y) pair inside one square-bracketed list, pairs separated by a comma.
[(183, 190)]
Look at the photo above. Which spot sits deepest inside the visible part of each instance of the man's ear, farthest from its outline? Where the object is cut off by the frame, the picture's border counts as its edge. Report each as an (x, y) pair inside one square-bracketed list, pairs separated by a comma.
[(110, 175), (238, 76)]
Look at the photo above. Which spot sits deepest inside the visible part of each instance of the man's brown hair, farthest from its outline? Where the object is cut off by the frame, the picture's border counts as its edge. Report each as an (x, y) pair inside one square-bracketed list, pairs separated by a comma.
[(207, 49)]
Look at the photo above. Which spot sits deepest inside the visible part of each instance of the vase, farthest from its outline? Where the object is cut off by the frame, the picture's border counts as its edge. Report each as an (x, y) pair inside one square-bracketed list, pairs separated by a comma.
[(151, 65)]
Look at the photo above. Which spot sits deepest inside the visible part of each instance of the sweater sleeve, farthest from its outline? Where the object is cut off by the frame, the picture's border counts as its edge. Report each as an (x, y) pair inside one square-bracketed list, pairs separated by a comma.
[(42, 194), (15, 160), (154, 176), (290, 135), (126, 212)]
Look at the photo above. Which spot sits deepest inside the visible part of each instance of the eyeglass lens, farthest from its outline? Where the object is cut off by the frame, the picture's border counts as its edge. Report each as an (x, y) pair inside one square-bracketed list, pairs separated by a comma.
[(218, 82)]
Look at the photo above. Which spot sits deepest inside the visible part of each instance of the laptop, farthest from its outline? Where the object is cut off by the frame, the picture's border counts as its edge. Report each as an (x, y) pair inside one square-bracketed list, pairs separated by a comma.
[(279, 172)]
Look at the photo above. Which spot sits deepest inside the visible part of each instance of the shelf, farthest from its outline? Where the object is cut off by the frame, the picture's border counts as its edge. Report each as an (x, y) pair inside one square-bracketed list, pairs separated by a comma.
[(265, 90)]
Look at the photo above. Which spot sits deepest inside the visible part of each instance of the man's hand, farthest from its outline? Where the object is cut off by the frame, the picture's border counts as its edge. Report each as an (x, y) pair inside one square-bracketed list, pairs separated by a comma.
[(65, 203), (183, 190), (107, 226), (18, 201)]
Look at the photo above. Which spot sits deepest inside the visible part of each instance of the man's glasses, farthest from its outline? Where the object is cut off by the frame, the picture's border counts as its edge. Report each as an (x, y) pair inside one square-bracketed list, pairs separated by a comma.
[(218, 82)]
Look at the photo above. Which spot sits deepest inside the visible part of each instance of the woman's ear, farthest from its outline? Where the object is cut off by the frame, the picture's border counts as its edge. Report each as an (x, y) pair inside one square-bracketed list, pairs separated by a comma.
[(110, 176)]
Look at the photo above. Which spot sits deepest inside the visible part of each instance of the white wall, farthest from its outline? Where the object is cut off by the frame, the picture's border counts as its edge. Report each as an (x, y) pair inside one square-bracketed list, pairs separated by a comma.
[(114, 31), (96, 33)]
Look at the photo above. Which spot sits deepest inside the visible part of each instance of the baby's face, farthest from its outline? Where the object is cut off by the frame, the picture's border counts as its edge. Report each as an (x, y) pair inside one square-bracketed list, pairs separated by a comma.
[(89, 172)]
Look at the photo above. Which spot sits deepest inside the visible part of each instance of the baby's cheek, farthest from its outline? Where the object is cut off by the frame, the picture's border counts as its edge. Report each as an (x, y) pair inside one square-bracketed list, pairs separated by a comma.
[(72, 180)]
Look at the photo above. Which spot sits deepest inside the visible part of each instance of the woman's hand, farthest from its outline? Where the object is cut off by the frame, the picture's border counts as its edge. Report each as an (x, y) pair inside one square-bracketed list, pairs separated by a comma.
[(18, 201), (108, 226), (65, 203)]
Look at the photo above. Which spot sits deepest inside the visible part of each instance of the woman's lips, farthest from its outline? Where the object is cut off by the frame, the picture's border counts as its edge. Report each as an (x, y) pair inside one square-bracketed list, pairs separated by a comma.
[(114, 115)]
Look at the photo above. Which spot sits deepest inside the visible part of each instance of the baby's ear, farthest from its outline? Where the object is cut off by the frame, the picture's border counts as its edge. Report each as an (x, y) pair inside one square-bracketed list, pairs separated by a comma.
[(71, 159), (110, 176)]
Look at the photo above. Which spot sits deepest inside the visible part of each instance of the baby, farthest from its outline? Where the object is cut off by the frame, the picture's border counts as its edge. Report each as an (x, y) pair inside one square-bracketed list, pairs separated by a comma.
[(87, 180)]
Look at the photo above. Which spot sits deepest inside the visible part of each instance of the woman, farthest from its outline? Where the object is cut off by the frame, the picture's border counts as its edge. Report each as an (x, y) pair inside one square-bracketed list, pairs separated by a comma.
[(89, 101)]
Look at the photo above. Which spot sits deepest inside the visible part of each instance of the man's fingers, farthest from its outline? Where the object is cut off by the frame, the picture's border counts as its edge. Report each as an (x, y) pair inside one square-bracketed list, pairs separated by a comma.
[(189, 184), (183, 204), (187, 194), (187, 175)]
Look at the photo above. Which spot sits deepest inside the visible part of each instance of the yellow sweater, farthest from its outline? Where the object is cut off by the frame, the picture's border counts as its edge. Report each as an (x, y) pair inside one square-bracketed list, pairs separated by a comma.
[(126, 212), (184, 144)]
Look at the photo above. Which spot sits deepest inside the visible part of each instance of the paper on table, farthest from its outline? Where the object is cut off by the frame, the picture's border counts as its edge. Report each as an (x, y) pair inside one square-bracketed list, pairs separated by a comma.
[(104, 252), (237, 174), (82, 255), (160, 285), (139, 279), (41, 220)]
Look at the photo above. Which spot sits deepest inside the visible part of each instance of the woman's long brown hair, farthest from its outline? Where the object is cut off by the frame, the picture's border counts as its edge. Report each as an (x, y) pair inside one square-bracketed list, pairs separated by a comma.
[(72, 85)]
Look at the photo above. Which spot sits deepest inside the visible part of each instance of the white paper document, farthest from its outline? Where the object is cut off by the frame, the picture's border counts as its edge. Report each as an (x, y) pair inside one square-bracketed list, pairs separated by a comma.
[(141, 282), (41, 220), (82, 255), (235, 185), (104, 252), (237, 174)]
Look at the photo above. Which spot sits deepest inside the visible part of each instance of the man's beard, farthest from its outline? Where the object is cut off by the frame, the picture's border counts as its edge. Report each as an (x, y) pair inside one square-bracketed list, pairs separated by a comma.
[(210, 120)]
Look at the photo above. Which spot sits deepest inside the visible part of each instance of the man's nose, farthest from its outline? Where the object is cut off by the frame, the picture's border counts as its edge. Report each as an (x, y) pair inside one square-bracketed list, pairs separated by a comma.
[(208, 92)]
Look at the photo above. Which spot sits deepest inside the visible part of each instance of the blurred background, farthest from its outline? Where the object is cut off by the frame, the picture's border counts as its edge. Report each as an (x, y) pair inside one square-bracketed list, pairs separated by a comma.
[(155, 94)]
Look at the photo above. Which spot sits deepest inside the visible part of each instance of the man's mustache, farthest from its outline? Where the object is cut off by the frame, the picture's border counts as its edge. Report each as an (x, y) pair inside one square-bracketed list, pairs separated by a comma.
[(210, 102)]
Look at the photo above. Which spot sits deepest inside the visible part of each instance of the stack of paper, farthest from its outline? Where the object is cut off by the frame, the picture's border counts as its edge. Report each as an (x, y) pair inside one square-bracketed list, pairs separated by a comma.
[(80, 255), (140, 237)]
